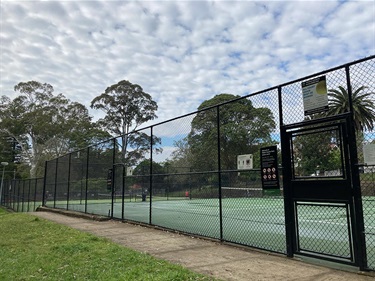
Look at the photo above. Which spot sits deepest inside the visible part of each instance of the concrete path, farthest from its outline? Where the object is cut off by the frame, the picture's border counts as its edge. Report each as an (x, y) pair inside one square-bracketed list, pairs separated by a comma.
[(204, 256)]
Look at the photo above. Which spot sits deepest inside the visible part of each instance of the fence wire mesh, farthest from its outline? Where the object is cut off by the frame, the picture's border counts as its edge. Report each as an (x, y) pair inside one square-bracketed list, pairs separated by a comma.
[(184, 174), (22, 195), (334, 239), (362, 77)]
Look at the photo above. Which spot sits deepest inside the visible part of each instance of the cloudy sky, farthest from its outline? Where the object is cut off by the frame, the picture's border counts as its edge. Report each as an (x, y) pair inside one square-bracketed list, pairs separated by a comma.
[(180, 52)]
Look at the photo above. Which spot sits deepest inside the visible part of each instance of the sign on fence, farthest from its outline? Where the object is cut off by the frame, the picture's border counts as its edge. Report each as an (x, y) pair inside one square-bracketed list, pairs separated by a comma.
[(244, 162), (268, 164), (315, 98)]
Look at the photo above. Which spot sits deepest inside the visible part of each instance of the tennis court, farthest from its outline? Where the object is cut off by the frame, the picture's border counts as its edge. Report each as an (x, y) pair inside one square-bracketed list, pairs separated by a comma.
[(256, 222), (318, 164)]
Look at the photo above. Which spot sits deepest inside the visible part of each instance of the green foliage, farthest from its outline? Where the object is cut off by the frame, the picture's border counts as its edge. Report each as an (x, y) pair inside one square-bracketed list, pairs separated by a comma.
[(126, 107), (363, 106), (316, 152), (35, 249), (137, 145), (243, 130), (44, 125), (320, 151), (143, 168)]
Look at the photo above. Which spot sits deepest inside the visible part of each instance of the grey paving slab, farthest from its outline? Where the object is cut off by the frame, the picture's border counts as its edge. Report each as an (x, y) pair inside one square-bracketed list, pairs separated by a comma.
[(212, 258)]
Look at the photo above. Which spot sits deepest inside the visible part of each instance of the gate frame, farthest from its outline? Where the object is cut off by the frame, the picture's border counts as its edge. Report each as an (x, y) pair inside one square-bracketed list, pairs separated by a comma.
[(355, 203)]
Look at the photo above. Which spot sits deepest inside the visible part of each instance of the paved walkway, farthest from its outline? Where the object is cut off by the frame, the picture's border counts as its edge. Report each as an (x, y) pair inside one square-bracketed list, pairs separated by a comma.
[(204, 256)]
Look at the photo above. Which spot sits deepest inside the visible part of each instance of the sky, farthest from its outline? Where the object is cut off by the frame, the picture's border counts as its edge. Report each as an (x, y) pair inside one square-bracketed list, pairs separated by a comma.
[(180, 52)]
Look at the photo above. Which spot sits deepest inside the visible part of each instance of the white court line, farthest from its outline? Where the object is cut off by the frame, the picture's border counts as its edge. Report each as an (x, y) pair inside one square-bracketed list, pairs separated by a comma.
[(333, 223)]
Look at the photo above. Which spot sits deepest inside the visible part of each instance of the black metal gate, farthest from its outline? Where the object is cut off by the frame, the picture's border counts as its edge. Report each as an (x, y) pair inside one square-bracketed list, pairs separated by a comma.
[(322, 201)]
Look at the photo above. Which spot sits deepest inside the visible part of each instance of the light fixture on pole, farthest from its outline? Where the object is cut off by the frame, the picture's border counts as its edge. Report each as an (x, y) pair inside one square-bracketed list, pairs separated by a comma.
[(2, 179)]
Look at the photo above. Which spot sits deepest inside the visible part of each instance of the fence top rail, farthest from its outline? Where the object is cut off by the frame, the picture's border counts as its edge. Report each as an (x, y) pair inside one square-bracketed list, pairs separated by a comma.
[(227, 102)]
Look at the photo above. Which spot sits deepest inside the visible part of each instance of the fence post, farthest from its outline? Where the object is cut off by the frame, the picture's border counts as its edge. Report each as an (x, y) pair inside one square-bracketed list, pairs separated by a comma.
[(288, 203), (113, 191), (151, 152), (286, 172), (69, 172), (55, 190), (18, 194), (23, 195), (35, 190), (87, 177), (123, 192), (359, 229), (28, 196), (219, 171), (44, 184)]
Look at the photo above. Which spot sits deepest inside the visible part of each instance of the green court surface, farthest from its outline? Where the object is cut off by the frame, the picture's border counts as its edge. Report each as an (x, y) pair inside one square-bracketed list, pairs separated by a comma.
[(255, 222)]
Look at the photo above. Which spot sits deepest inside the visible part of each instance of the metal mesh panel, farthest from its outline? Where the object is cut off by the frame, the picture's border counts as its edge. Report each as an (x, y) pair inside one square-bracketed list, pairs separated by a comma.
[(23, 195), (368, 201), (39, 185), (182, 198), (292, 98), (16, 187), (136, 161), (77, 183), (188, 177), (50, 182), (252, 216), (6, 193), (100, 159), (363, 75), (28, 189), (324, 229), (62, 182), (172, 143), (318, 153), (190, 207)]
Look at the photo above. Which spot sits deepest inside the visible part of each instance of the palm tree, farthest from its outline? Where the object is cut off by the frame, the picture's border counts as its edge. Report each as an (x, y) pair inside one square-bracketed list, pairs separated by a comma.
[(363, 106)]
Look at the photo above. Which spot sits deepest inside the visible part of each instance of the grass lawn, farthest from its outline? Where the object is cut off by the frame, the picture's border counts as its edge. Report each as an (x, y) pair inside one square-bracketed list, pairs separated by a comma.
[(35, 249)]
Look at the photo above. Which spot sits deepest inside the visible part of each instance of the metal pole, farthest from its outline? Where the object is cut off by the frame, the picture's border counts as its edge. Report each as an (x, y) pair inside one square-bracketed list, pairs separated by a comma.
[(359, 228), (28, 196), (123, 192), (219, 172), (113, 178), (150, 178), (69, 172), (87, 177), (286, 172), (2, 180), (44, 199), (55, 190)]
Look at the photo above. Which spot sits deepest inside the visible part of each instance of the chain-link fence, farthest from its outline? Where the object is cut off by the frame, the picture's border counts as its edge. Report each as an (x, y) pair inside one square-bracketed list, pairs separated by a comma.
[(203, 174), (22, 195), (363, 77)]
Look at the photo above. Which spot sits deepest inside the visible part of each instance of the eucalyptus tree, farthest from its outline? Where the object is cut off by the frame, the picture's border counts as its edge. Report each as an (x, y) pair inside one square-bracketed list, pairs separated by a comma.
[(126, 107), (45, 125)]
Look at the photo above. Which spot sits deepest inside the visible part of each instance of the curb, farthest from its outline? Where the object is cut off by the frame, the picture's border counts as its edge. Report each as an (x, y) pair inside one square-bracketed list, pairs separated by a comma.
[(73, 214)]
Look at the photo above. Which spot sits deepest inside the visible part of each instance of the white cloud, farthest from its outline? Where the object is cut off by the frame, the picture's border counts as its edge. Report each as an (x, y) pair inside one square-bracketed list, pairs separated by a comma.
[(181, 52)]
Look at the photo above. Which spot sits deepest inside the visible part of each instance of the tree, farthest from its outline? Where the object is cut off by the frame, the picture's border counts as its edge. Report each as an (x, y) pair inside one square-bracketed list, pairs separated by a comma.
[(43, 125), (363, 106), (243, 130), (143, 168), (318, 151), (126, 107)]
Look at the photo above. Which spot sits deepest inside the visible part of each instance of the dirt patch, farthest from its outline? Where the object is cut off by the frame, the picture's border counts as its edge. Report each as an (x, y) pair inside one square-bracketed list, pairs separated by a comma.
[(222, 261)]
